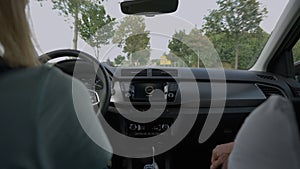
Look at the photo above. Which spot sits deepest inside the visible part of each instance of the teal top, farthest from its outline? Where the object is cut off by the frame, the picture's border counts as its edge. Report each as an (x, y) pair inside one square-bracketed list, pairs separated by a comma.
[(39, 126)]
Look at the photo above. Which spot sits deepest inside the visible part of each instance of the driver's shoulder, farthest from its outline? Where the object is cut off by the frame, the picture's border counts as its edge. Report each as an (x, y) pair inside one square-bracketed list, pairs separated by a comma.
[(56, 82), (54, 76)]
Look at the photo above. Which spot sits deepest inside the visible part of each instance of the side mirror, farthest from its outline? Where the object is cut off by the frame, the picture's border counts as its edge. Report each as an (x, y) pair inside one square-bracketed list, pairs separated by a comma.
[(149, 7)]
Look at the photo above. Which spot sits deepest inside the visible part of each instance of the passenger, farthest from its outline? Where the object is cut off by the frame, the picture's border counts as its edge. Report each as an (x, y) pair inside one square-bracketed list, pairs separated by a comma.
[(269, 139), (38, 122)]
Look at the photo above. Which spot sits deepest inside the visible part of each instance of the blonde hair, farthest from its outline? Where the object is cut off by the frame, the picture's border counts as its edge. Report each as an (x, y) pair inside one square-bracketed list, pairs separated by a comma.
[(15, 34)]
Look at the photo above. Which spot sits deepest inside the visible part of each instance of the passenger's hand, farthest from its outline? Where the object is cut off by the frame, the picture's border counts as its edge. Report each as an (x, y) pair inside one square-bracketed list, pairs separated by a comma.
[(220, 155)]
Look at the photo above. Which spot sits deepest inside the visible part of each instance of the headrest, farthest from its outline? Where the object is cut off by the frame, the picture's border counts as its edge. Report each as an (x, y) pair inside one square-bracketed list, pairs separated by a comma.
[(2, 51)]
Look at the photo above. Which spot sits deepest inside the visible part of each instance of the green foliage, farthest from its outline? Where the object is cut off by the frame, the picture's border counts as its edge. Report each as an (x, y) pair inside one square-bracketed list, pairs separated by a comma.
[(119, 59), (136, 42), (69, 9), (179, 48), (130, 25), (95, 26), (194, 49), (250, 45), (186, 47), (90, 21), (65, 7), (235, 17), (296, 51), (131, 35)]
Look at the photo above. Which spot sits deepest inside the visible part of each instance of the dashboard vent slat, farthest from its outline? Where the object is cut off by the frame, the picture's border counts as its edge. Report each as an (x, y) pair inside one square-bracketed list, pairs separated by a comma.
[(267, 77), (270, 90), (134, 72), (165, 73)]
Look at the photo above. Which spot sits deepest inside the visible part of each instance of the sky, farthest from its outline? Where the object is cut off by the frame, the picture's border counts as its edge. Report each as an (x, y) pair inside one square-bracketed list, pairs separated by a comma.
[(52, 31)]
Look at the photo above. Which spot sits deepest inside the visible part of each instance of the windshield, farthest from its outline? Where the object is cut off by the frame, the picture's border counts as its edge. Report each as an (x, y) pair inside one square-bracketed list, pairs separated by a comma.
[(213, 34)]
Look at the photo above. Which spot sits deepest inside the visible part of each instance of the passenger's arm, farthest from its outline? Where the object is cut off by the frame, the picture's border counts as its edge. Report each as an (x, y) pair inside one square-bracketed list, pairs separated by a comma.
[(220, 155)]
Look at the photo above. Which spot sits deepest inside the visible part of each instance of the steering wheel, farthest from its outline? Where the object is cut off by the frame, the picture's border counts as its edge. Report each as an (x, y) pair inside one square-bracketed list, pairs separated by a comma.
[(100, 72)]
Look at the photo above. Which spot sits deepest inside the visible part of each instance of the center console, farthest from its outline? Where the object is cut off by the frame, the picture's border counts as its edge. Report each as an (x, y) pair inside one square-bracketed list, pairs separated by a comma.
[(134, 88), (141, 91)]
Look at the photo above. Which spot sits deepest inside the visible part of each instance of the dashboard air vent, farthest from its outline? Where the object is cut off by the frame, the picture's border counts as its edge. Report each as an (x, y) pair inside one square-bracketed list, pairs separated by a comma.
[(267, 77), (270, 90), (134, 72), (165, 73)]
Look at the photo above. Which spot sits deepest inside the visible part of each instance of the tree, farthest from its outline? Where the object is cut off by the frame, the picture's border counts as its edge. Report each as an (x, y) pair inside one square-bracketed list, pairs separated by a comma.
[(131, 35), (137, 46), (119, 59), (71, 8), (235, 17), (178, 47), (250, 45), (193, 48), (95, 26)]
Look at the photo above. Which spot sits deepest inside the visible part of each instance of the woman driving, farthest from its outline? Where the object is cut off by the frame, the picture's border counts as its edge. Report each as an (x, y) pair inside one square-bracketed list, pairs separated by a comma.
[(38, 122)]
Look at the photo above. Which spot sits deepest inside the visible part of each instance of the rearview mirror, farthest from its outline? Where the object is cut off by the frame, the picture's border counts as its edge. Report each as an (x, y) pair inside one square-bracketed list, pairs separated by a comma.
[(149, 7)]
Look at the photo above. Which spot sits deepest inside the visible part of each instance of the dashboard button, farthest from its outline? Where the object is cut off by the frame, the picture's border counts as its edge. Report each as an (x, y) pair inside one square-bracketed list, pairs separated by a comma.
[(133, 127), (171, 95)]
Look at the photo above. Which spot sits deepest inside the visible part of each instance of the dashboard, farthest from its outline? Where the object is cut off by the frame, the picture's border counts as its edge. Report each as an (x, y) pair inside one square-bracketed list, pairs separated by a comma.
[(245, 90), (146, 88)]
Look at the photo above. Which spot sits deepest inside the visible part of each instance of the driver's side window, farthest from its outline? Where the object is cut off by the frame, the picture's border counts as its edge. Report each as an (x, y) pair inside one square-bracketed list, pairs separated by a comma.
[(296, 52), (296, 55)]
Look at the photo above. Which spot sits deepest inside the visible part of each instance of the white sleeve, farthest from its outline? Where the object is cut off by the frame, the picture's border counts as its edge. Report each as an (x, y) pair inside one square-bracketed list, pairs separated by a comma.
[(269, 138)]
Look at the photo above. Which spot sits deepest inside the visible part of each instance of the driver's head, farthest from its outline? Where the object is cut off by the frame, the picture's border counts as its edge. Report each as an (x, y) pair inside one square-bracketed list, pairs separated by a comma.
[(15, 34)]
